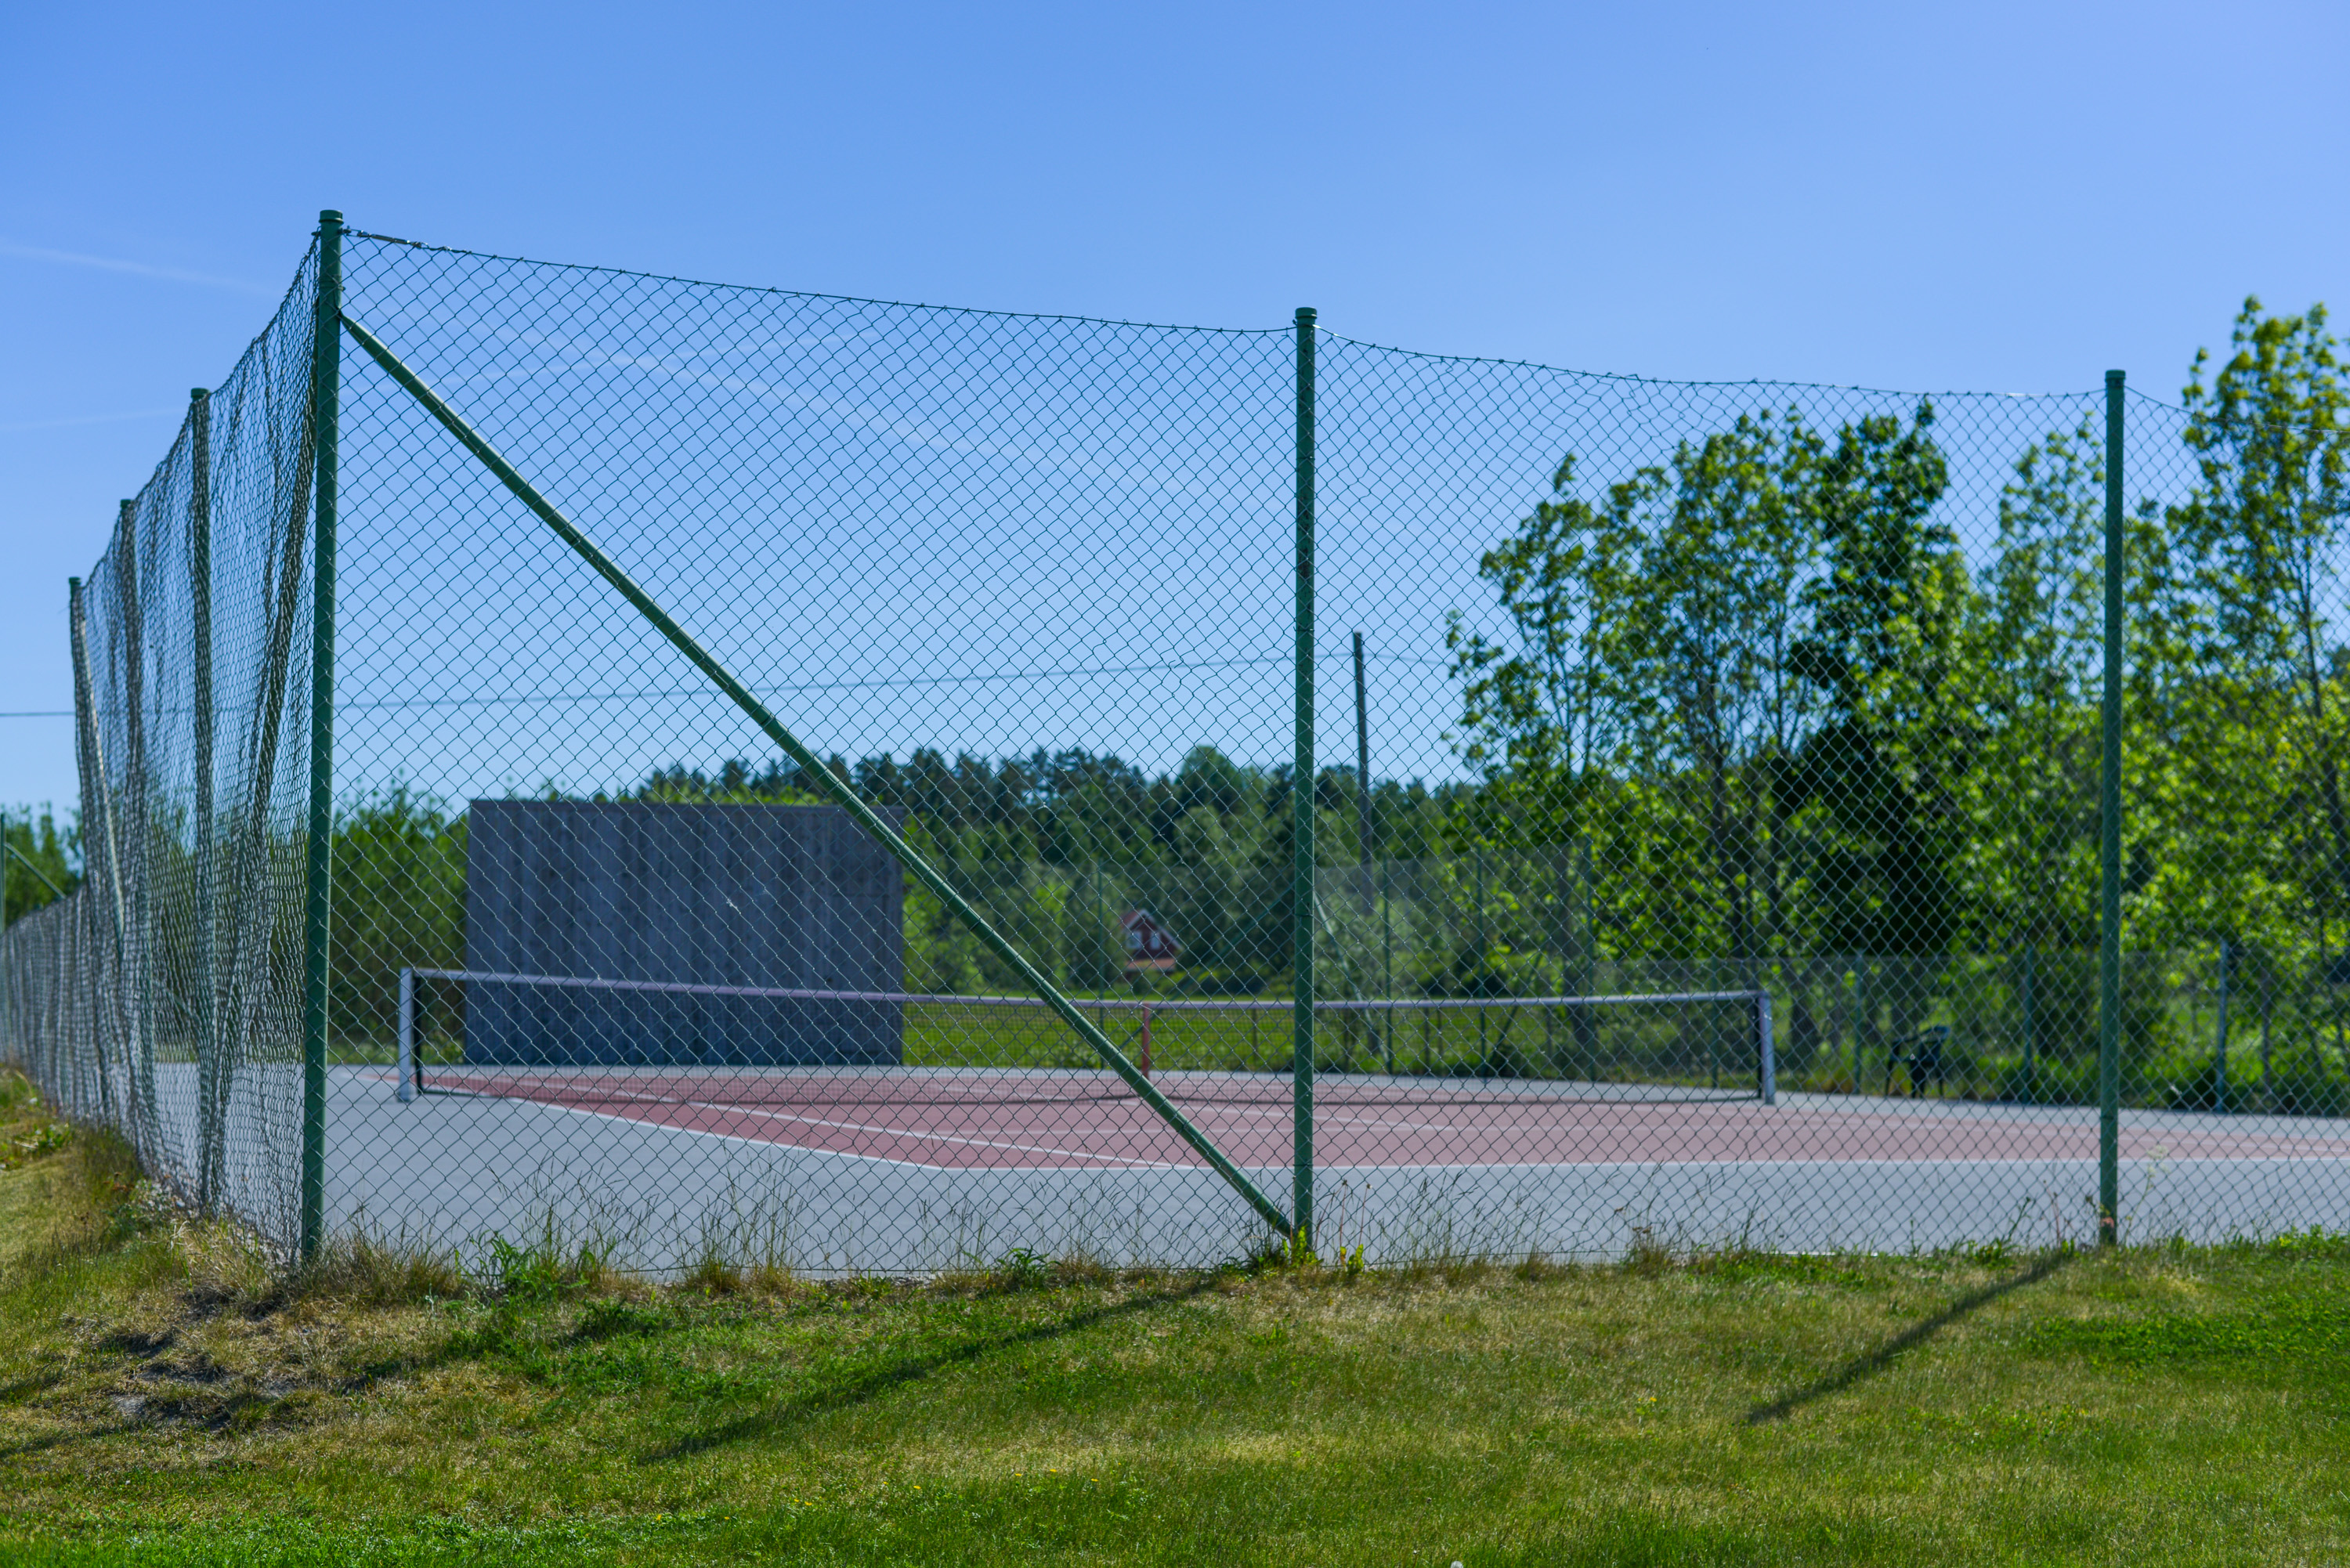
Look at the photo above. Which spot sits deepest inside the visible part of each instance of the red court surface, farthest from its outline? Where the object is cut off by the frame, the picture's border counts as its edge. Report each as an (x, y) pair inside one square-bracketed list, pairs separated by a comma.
[(963, 1120)]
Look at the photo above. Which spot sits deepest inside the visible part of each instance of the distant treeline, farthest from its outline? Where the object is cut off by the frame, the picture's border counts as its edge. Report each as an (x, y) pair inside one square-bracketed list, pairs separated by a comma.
[(1073, 807), (1054, 846)]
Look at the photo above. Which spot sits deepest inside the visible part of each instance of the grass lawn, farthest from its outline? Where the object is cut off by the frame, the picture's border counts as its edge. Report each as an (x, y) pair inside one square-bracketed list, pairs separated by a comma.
[(163, 1400)]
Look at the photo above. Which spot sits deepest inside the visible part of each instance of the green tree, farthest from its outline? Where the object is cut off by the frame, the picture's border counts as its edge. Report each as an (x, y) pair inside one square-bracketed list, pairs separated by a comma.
[(42, 861), (1718, 667), (1533, 707), (1888, 650), (2030, 856), (400, 902), (1709, 677), (2257, 548)]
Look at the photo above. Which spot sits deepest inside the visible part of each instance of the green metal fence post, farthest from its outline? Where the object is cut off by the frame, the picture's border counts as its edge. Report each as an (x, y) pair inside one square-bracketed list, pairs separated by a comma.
[(325, 383), (97, 799), (1301, 1207), (1484, 1035), (2219, 1035), (211, 1114), (2109, 875), (2030, 1006), (1362, 774), (8, 978), (1363, 836), (134, 835), (1586, 979)]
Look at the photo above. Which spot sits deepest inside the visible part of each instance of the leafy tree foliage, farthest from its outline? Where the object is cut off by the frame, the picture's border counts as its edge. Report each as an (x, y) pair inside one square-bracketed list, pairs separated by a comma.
[(1762, 690), (45, 861), (1735, 663)]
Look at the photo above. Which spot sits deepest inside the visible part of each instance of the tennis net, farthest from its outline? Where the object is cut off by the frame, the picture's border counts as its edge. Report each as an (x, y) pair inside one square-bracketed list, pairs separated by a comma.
[(465, 1031)]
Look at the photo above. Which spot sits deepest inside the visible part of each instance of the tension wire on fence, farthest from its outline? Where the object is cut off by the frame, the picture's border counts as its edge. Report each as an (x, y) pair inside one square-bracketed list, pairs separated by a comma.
[(1760, 814)]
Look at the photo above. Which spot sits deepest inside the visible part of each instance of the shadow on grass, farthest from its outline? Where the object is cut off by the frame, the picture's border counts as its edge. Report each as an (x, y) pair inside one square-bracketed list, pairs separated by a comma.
[(25, 1388), (59, 1440), (864, 1384), (1874, 1361)]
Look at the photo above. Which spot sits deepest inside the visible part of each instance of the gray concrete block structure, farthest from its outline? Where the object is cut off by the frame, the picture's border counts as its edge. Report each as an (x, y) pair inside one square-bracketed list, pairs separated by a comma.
[(783, 896)]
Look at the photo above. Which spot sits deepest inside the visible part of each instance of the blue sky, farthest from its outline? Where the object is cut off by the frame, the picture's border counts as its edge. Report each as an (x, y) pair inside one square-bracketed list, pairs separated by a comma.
[(2002, 197)]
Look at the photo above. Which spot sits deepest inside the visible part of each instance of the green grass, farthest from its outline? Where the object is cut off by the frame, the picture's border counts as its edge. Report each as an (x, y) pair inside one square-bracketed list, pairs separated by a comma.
[(164, 1399)]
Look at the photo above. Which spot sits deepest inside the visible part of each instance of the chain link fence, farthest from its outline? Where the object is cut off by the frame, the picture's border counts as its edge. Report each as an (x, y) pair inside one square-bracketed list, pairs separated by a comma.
[(846, 786), (162, 998)]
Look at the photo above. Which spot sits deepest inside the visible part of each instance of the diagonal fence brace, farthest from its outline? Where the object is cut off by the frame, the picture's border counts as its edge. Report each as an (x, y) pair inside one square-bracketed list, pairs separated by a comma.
[(811, 766), (26, 862)]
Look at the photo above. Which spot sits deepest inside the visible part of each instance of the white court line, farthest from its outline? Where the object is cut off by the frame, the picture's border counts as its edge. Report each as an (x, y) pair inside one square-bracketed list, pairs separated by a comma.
[(1115, 1161), (1730, 1127), (641, 1126), (1122, 1160)]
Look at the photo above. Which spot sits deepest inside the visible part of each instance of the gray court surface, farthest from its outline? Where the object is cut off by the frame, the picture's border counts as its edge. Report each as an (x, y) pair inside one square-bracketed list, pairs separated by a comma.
[(451, 1171)]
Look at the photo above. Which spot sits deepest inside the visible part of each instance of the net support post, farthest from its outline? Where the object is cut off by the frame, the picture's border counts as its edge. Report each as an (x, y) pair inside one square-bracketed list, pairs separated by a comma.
[(412, 1073), (2219, 1035), (8, 1041), (326, 386), (98, 797), (2110, 870), (1362, 774), (1767, 1051), (1301, 792), (212, 1113), (134, 834), (811, 767)]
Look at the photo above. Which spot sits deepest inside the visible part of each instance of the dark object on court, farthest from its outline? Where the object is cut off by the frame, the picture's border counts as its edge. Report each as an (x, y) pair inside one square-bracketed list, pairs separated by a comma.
[(1924, 1055), (782, 896)]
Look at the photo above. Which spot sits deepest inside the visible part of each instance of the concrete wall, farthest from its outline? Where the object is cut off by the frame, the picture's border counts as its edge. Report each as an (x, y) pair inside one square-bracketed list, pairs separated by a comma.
[(792, 896)]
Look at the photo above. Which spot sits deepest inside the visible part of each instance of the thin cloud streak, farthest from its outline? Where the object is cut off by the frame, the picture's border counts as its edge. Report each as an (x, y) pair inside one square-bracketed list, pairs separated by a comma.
[(86, 419), (136, 269)]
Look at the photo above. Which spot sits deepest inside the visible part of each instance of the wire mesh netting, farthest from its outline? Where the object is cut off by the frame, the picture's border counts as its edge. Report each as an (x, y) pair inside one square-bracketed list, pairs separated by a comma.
[(1705, 842), (163, 998)]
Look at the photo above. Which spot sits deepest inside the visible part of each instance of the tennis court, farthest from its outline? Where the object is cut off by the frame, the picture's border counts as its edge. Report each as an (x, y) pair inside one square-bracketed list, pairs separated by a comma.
[(900, 1170)]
